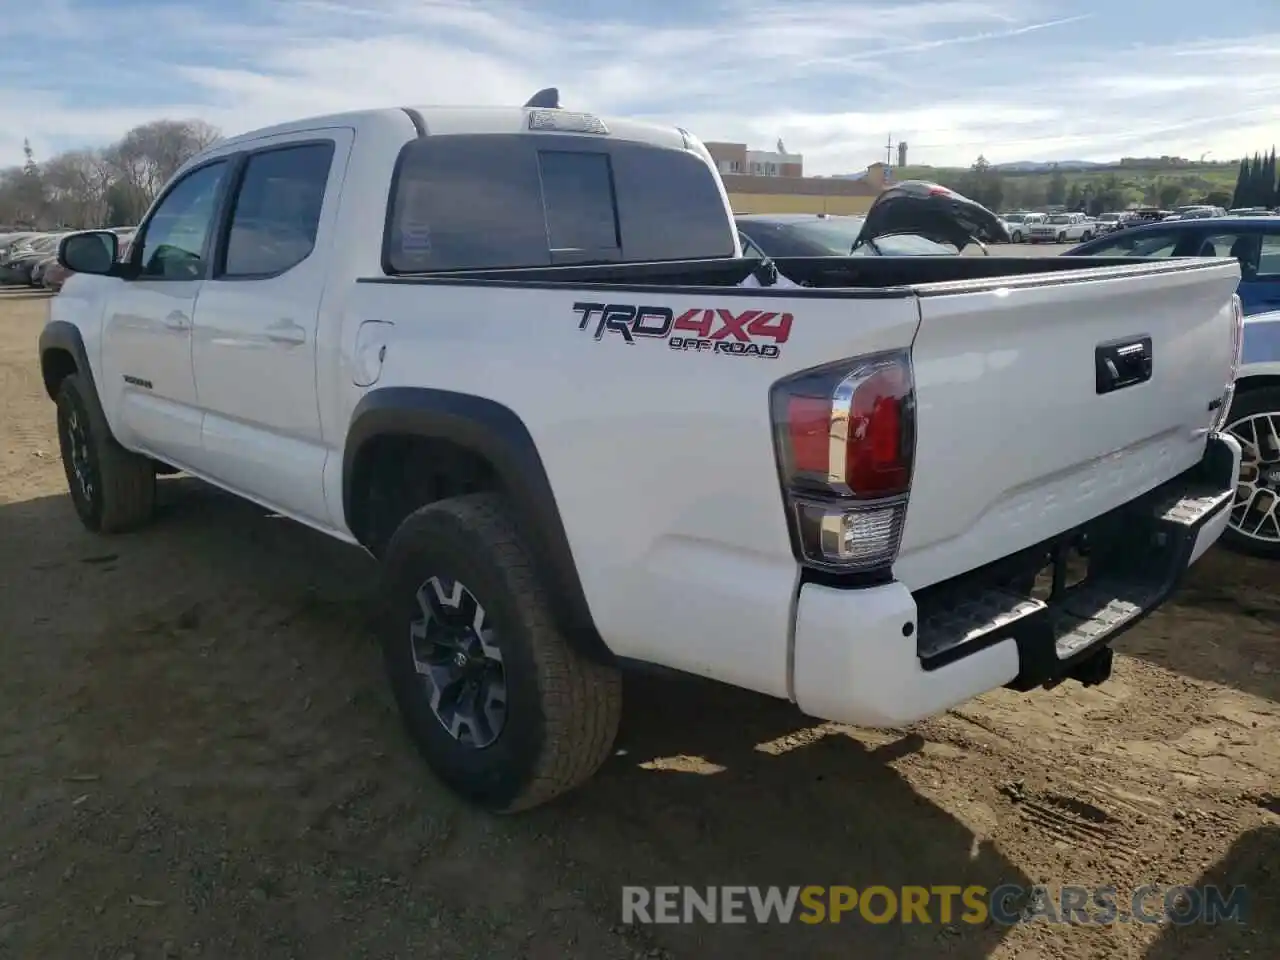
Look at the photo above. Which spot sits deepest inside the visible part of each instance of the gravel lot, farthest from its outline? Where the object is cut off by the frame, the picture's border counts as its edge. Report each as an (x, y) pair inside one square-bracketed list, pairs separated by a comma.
[(198, 758)]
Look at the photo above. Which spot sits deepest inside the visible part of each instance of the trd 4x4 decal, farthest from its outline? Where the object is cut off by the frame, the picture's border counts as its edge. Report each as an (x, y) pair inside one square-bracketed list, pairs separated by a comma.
[(751, 333)]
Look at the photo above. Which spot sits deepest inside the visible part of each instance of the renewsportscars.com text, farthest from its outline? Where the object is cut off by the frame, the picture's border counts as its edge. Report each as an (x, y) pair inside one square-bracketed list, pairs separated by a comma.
[(944, 904)]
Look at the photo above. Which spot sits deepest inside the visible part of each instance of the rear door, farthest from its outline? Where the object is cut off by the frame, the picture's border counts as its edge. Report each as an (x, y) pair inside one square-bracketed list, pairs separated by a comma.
[(1019, 438), (256, 322)]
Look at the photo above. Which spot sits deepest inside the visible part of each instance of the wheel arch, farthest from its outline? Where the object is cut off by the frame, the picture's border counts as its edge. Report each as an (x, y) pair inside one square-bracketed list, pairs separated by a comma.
[(62, 353), (496, 436)]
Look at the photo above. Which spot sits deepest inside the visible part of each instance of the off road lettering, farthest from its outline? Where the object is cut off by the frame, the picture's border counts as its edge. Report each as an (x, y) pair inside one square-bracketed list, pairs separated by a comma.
[(700, 329)]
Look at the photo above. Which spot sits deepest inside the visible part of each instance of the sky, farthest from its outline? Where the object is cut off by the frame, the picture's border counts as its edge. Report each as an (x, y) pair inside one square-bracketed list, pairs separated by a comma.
[(834, 79)]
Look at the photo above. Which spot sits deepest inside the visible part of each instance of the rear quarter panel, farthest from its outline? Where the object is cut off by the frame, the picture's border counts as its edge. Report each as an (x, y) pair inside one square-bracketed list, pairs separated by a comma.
[(661, 460)]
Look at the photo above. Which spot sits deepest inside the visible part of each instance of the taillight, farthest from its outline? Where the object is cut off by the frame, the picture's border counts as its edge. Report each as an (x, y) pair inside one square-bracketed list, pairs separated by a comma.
[(845, 439), (1237, 357)]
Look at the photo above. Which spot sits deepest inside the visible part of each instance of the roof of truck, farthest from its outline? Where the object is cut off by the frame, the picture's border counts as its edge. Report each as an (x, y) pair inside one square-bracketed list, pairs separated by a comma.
[(444, 120)]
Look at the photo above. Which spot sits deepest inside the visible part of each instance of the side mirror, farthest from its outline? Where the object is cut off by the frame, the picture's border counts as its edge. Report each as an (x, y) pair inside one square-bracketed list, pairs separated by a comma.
[(92, 251)]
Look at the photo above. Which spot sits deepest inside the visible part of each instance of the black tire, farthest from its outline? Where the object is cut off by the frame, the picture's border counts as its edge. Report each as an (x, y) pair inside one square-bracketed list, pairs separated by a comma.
[(562, 709), (1062, 238), (117, 491), (1246, 404), (1016, 237)]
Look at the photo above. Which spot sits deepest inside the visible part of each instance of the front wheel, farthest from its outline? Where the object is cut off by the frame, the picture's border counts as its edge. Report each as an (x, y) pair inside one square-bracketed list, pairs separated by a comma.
[(1254, 525), (503, 708), (112, 489), (1062, 238), (1017, 236)]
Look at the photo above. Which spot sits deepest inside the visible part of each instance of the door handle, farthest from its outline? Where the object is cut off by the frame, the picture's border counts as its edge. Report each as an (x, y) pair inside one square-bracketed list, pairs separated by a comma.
[(287, 332), (177, 320)]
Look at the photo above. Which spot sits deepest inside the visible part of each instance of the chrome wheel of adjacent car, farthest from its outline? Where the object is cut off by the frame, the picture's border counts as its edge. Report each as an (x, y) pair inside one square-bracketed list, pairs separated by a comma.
[(1255, 514)]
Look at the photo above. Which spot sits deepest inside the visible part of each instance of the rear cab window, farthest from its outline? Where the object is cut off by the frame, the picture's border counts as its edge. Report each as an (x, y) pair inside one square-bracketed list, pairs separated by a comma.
[(494, 201)]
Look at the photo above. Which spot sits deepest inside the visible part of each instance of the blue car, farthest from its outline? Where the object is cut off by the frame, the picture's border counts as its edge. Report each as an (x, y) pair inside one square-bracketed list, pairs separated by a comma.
[(1254, 241)]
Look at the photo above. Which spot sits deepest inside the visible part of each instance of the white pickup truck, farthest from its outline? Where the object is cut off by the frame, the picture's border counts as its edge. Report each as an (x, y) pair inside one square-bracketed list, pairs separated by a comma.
[(516, 355), (1062, 228)]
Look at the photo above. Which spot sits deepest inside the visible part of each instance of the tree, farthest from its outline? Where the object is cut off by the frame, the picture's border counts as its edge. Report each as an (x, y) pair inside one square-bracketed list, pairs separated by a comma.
[(1169, 194), (1075, 198), (1056, 193), (88, 188), (1259, 188), (1241, 193), (982, 183)]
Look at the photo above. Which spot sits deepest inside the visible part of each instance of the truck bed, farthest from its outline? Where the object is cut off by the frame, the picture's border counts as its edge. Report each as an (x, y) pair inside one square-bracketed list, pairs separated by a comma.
[(860, 276)]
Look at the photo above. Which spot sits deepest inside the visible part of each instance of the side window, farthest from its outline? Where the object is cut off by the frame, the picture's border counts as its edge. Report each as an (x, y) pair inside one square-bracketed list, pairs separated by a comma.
[(466, 203), (1242, 246), (669, 206), (276, 211), (1269, 257), (493, 201), (173, 243), (577, 193), (1139, 245)]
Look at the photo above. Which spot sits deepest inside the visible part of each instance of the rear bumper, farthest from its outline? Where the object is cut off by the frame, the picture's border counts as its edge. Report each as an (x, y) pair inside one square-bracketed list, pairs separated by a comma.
[(882, 657)]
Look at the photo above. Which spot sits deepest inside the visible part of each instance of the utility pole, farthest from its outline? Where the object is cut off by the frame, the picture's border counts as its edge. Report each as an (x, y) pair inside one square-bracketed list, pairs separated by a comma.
[(888, 151)]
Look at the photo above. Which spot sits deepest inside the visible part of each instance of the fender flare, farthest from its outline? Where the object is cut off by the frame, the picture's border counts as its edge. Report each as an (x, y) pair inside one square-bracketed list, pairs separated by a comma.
[(61, 335), (496, 433)]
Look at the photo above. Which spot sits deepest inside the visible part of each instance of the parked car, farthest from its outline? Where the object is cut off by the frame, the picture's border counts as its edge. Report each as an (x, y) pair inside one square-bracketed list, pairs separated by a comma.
[(1108, 223), (822, 235), (1253, 241), (1061, 228), (1016, 225), (41, 267), (1142, 216), (55, 276), (603, 444), (1254, 420), (23, 257), (1197, 211)]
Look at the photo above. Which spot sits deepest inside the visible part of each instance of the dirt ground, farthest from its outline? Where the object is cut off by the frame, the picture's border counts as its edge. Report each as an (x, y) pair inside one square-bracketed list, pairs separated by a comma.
[(198, 757)]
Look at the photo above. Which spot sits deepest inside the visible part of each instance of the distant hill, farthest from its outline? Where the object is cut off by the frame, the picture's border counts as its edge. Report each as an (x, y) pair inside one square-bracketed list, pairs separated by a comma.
[(1043, 166)]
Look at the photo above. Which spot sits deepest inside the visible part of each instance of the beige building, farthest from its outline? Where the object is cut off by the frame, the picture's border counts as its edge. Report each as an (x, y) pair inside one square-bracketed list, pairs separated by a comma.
[(761, 181)]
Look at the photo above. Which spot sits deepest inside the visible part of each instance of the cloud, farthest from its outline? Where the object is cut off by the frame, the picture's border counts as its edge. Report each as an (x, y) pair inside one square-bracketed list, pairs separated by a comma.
[(1011, 79)]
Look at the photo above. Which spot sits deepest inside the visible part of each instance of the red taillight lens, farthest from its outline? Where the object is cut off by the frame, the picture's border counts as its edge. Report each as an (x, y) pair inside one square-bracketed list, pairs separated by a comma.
[(877, 454), (845, 439)]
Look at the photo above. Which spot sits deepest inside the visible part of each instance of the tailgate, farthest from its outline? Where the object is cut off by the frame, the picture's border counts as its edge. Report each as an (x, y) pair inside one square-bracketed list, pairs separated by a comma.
[(1015, 443)]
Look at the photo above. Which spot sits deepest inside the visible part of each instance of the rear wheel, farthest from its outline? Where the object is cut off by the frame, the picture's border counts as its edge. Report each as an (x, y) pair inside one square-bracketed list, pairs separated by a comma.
[(112, 489), (1088, 235), (1254, 526), (1017, 236), (505, 711)]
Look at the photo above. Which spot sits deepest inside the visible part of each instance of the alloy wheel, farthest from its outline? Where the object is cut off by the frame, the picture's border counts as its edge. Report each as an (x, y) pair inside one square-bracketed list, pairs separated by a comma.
[(456, 654), (1255, 513)]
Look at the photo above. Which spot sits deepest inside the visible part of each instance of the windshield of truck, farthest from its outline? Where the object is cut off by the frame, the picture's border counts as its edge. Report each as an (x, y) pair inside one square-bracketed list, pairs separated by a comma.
[(494, 201), (1109, 217), (1015, 217), (1060, 218)]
